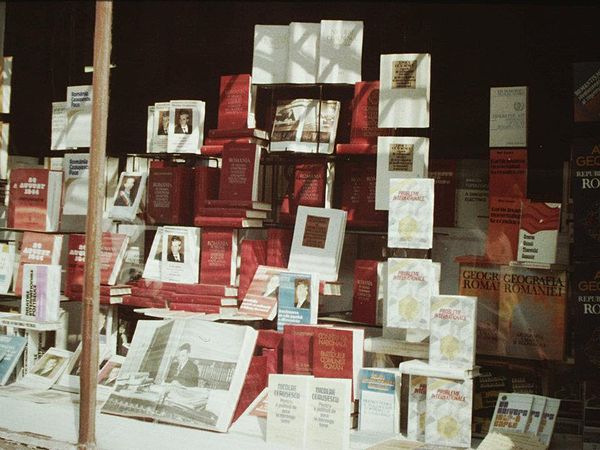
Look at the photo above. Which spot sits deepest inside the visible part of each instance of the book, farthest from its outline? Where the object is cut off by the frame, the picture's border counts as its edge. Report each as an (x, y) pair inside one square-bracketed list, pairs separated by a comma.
[(453, 325), (180, 254), (79, 116), (379, 400), (472, 183), (340, 51), (149, 128), (238, 133), (232, 213), (303, 53), (279, 243), (309, 186), (262, 295), (317, 241), (365, 291), (128, 196), (11, 348), (257, 380), (508, 173), (399, 157), (5, 86), (512, 412), (443, 172), (417, 407), (235, 102), (449, 410), (549, 417), (227, 222), (160, 128), (410, 219), (192, 374), (206, 186), (218, 256), (508, 116), (76, 184), (169, 195), (535, 415), (502, 241), (253, 253), (270, 54), (40, 298), (586, 101), (585, 306), (202, 299), (7, 266), (405, 90), (538, 232), (417, 367), (297, 299), (240, 172), (409, 290), (58, 133), (206, 289), (34, 199), (37, 248), (186, 126), (248, 204), (364, 128), (532, 313)]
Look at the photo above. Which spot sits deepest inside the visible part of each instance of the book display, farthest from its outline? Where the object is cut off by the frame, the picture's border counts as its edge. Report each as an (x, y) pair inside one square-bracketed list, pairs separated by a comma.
[(306, 247)]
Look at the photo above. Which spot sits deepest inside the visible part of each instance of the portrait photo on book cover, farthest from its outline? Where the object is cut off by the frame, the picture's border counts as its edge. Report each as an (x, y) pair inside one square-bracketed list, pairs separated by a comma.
[(128, 190), (183, 121), (163, 123), (49, 365), (302, 293), (176, 246)]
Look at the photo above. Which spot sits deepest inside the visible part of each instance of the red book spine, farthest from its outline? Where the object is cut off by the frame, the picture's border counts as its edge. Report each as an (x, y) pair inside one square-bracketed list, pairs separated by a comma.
[(235, 140), (206, 180), (105, 300), (356, 149), (252, 254), (142, 302), (234, 97), (220, 203), (297, 352), (156, 285), (194, 307), (279, 243), (216, 256), (223, 212), (224, 222), (145, 292), (197, 299), (202, 289), (238, 172), (212, 150)]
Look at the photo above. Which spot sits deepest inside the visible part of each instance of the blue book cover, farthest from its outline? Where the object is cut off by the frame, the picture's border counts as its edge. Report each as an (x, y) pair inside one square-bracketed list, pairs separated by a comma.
[(11, 348), (298, 299)]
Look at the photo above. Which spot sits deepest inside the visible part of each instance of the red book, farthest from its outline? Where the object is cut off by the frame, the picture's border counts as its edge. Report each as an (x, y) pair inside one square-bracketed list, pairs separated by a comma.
[(261, 206), (253, 253), (273, 358), (142, 302), (211, 150), (194, 307), (108, 291), (227, 222), (34, 199), (279, 243), (157, 285), (356, 149), (235, 140), (112, 253), (332, 353), (269, 339), (503, 230), (307, 189), (169, 195), (206, 181), (443, 171), (232, 212), (147, 292), (365, 114), (364, 293), (255, 382), (508, 173), (37, 248), (239, 172), (297, 350), (75, 265), (218, 256), (234, 101), (204, 299), (207, 289), (218, 133)]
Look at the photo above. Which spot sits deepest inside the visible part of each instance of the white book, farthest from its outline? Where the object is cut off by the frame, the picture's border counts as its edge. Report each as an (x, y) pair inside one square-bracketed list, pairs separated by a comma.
[(508, 116), (548, 420), (269, 59), (404, 93), (79, 116), (5, 87), (180, 255), (453, 325), (76, 177), (150, 128), (58, 134), (128, 196), (186, 126), (40, 294), (398, 157), (4, 139), (303, 54), (328, 411), (7, 266), (340, 51), (512, 412), (160, 127), (47, 370), (417, 407), (410, 284), (379, 400), (449, 411), (510, 441), (11, 349), (410, 219), (287, 411), (317, 241), (535, 417), (422, 368)]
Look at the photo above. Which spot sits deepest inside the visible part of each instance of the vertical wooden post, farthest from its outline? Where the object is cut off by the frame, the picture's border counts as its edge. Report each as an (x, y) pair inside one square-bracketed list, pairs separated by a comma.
[(89, 319)]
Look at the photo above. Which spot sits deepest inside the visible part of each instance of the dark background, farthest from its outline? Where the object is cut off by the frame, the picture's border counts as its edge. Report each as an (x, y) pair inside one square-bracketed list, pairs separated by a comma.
[(178, 50)]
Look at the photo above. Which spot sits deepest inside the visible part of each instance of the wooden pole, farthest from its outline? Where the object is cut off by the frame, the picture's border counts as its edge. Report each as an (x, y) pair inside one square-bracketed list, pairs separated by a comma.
[(90, 313)]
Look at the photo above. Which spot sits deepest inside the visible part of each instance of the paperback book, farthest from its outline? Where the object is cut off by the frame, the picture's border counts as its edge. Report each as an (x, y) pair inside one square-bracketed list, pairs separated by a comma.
[(262, 296), (417, 407), (508, 116), (37, 248), (303, 53), (11, 349), (508, 173), (340, 51), (128, 196), (538, 232), (40, 298), (160, 129), (76, 184), (186, 126), (512, 412), (7, 266), (79, 116), (180, 254), (586, 91), (298, 299), (472, 183), (502, 241), (269, 59), (379, 400)]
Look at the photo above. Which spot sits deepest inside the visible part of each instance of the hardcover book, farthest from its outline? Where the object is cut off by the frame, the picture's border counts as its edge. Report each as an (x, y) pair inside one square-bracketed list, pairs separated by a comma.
[(364, 128), (586, 94), (303, 52), (186, 126), (443, 172), (399, 157), (538, 232), (585, 304), (503, 231), (508, 116), (279, 243), (240, 172), (410, 286), (269, 59), (365, 292), (38, 248), (532, 313), (11, 347), (257, 380), (298, 299), (512, 412), (128, 196), (453, 325), (309, 186), (235, 102), (317, 242), (340, 51), (379, 400), (417, 407), (40, 298), (253, 253), (180, 254), (169, 195), (472, 183), (410, 219), (206, 186), (404, 95), (219, 249), (508, 173)]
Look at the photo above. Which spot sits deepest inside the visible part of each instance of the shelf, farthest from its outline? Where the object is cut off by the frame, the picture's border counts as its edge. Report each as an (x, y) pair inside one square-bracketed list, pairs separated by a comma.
[(22, 230), (170, 156), (302, 85), (17, 321), (13, 296), (397, 347)]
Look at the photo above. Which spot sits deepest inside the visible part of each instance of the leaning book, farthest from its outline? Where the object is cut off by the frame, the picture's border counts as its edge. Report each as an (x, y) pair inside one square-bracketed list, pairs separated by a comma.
[(12, 348), (187, 372), (128, 196)]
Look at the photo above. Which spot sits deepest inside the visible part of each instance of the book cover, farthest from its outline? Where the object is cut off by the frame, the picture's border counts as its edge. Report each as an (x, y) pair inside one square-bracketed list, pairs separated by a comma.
[(449, 411), (410, 219), (364, 128), (149, 128), (508, 116), (453, 325), (379, 400), (298, 299), (257, 379), (186, 126), (303, 53), (585, 305), (270, 54), (535, 415), (399, 157), (512, 412), (443, 172), (160, 128), (340, 51), (532, 313), (169, 195), (508, 173), (206, 186), (180, 254), (365, 291), (549, 417), (240, 172), (7, 266), (112, 253), (417, 407), (76, 184), (253, 253), (410, 286), (128, 196), (11, 347), (218, 263), (586, 91), (502, 241), (75, 265), (34, 199), (298, 349), (472, 183), (40, 298), (307, 187), (405, 90), (235, 105), (58, 133), (318, 240), (538, 232), (37, 248), (260, 299), (226, 222), (79, 116), (279, 243)]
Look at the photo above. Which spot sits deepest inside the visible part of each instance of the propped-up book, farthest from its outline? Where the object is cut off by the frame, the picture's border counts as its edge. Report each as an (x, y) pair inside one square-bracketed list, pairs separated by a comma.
[(235, 103), (11, 347), (303, 52), (253, 253), (410, 219), (128, 196), (186, 126), (512, 412), (38, 248), (160, 129), (538, 232), (219, 255), (340, 51), (269, 58), (169, 195), (508, 116), (379, 400), (262, 295), (366, 301), (508, 173), (40, 298), (310, 185), (472, 193), (7, 266), (298, 298), (240, 172), (417, 407), (503, 229), (586, 98), (180, 254), (79, 116), (77, 179)]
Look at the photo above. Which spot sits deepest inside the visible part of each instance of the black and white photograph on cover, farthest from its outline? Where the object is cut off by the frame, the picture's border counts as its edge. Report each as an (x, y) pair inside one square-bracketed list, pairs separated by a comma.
[(163, 123), (175, 251), (325, 112), (127, 190), (183, 121), (302, 293), (187, 372), (287, 119), (49, 365), (109, 373)]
